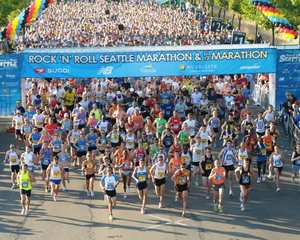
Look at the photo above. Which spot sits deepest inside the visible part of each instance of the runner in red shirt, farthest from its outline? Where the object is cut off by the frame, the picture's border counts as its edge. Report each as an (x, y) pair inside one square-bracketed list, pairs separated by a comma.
[(51, 126), (175, 123)]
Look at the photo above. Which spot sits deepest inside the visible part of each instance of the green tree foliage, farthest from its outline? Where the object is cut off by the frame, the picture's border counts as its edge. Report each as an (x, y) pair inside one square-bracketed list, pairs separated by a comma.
[(290, 9), (10, 9)]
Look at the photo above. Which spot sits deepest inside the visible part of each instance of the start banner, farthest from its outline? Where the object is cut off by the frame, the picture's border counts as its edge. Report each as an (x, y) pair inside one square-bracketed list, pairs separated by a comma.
[(148, 61)]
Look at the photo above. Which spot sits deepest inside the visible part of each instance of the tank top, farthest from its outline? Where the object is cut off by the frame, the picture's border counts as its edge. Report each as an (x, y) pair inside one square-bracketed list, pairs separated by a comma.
[(245, 178), (13, 158), (28, 158), (56, 145), (207, 164), (242, 155), (260, 125), (228, 158), (35, 137), (46, 154), (276, 160), (130, 141), (75, 135), (219, 177), (168, 140), (186, 158), (141, 174), (160, 171), (296, 162), (197, 152), (110, 182), (55, 173), (25, 182)]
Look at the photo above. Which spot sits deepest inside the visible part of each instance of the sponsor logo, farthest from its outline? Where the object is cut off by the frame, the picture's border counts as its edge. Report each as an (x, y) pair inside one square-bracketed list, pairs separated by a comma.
[(105, 70), (58, 70), (182, 67), (148, 69), (40, 70), (11, 63)]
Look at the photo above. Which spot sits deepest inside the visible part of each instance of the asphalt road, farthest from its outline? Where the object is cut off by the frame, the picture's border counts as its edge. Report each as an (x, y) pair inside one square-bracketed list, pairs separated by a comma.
[(269, 215)]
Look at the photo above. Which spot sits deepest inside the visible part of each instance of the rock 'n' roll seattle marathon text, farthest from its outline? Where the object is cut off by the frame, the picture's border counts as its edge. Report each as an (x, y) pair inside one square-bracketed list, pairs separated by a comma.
[(146, 57)]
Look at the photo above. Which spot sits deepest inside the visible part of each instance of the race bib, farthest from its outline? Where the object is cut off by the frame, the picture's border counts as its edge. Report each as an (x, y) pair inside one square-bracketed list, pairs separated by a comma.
[(13, 159), (246, 179), (56, 174), (161, 174), (142, 178), (25, 184), (208, 166), (182, 180)]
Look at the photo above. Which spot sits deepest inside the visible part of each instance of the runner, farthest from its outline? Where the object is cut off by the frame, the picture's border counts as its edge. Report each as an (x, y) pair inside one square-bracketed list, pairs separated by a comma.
[(108, 184), (295, 159), (181, 178), (17, 123), (65, 160), (158, 173), (261, 160), (25, 180), (217, 178), (54, 173), (140, 174), (29, 159), (206, 165), (46, 158), (228, 160), (196, 149), (243, 177), (81, 148), (89, 170), (125, 168), (276, 161), (12, 158)]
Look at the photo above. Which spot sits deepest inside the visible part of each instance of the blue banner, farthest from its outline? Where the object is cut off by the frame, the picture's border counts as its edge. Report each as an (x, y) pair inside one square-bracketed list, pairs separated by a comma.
[(148, 61), (10, 83), (288, 74)]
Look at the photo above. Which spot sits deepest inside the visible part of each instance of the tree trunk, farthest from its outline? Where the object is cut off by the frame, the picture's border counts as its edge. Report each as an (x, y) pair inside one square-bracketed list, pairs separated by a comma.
[(273, 35), (212, 10), (219, 13), (256, 32), (203, 3), (240, 23), (232, 19), (224, 14)]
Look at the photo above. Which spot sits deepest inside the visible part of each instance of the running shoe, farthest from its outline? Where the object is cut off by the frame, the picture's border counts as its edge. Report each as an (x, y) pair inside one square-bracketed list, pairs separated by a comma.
[(215, 207), (263, 178), (258, 180), (242, 207), (125, 196), (220, 208), (230, 192), (22, 211), (207, 197), (277, 189), (110, 217)]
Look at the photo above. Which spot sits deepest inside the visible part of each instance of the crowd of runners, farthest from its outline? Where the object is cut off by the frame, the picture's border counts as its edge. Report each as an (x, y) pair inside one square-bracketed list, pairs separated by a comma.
[(103, 23), (139, 132)]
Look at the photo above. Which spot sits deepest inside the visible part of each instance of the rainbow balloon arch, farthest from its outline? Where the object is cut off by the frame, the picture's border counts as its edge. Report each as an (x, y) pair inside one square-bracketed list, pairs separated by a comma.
[(282, 25), (25, 18)]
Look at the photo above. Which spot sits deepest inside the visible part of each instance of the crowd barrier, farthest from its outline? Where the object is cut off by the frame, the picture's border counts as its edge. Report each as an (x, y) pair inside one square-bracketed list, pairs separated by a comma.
[(290, 127)]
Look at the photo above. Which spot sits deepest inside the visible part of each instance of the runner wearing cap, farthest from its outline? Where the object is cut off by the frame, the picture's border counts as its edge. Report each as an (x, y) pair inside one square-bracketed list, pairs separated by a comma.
[(12, 158)]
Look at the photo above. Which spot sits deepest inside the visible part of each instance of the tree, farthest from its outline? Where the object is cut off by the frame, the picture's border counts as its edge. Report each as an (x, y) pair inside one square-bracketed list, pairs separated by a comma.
[(10, 9)]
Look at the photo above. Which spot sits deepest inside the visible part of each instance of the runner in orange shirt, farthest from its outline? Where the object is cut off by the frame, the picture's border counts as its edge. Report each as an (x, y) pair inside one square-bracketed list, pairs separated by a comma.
[(182, 181), (217, 178)]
